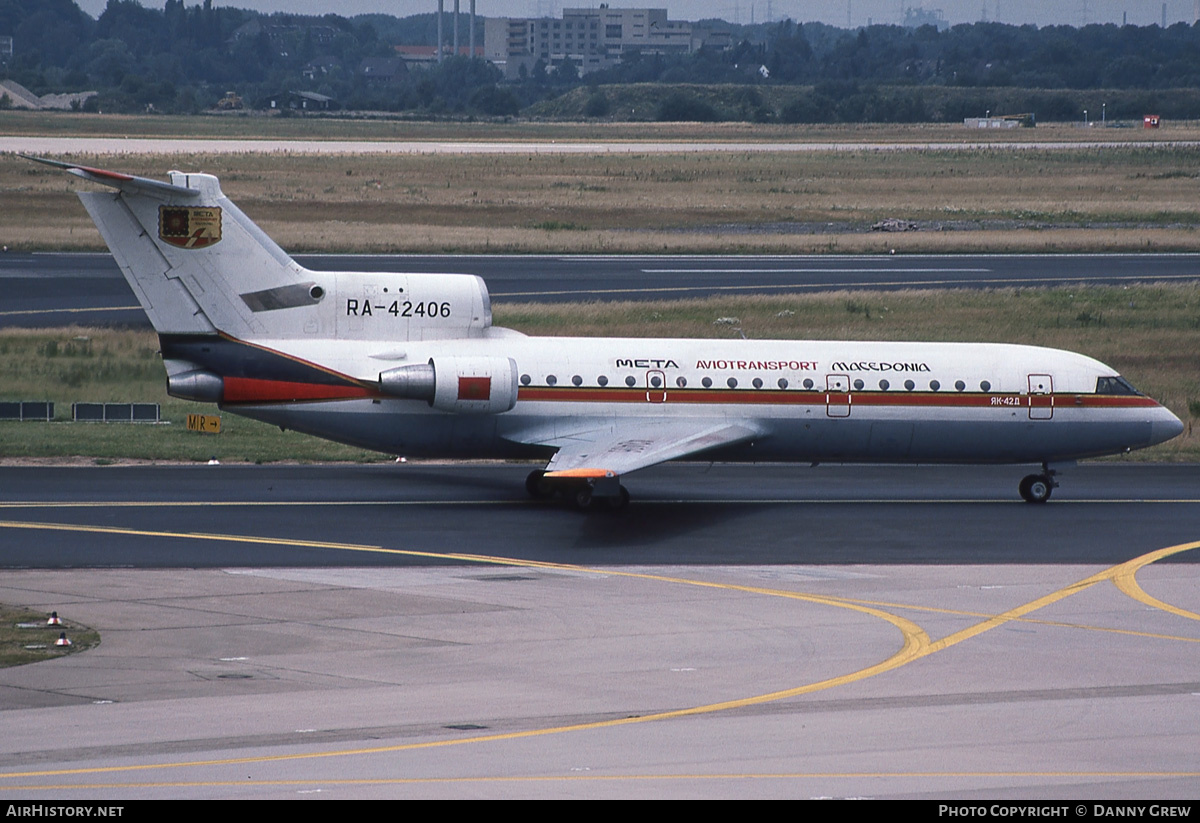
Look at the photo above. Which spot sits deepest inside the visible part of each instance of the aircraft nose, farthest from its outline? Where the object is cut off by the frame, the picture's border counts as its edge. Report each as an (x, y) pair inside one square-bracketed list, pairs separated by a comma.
[(1164, 427)]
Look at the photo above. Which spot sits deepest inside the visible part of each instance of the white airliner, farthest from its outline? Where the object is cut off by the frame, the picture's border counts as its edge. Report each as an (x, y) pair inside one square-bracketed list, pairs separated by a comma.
[(410, 364)]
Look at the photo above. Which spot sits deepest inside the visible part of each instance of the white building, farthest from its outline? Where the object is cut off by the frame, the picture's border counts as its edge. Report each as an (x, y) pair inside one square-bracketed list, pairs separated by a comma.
[(591, 39)]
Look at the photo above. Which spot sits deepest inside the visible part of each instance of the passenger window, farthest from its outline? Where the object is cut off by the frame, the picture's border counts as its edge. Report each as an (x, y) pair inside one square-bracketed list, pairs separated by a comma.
[(577, 380), (910, 385), (960, 385), (808, 384), (706, 382), (859, 385), (934, 385), (731, 382), (681, 382), (551, 380), (758, 382), (783, 384), (602, 380), (526, 380), (985, 386), (884, 385), (630, 381)]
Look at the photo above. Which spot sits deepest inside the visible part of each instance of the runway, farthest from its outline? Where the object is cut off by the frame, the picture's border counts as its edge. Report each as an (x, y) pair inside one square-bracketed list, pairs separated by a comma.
[(41, 146), (424, 631), (63, 289)]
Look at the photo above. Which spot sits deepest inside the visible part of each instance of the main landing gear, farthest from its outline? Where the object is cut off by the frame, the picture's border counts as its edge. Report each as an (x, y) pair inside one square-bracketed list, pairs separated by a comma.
[(1036, 488), (584, 495)]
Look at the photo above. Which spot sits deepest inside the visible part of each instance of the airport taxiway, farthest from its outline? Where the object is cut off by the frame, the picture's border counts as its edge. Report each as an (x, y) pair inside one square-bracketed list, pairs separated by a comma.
[(87, 288), (424, 631)]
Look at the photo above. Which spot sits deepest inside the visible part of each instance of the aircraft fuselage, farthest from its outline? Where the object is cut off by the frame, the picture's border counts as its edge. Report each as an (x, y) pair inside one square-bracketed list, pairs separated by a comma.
[(809, 400)]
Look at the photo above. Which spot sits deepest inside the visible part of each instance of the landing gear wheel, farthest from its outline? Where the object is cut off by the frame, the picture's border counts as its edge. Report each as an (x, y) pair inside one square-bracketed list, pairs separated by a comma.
[(1036, 488), (582, 498), (538, 486), (619, 502)]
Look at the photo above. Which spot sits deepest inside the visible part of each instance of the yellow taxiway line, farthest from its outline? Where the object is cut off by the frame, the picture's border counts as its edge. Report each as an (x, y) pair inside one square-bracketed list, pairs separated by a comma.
[(916, 643)]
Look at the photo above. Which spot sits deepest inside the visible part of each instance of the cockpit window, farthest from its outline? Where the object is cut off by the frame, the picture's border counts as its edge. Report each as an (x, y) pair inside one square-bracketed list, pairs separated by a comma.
[(1114, 385)]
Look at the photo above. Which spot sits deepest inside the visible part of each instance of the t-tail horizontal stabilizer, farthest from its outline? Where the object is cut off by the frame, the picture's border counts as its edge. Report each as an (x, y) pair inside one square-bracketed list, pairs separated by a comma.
[(124, 182)]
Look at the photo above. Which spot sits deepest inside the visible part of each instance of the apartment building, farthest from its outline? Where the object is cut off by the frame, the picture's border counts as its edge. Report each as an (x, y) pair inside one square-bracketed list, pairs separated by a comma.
[(592, 38)]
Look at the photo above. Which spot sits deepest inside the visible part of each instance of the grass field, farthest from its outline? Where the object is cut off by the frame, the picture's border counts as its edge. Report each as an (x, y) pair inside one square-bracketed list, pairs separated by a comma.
[(1149, 333), (71, 365), (1132, 198), (25, 637)]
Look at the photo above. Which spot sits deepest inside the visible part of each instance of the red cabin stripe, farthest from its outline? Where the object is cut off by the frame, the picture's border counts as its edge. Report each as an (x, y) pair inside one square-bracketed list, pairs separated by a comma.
[(771, 397), (252, 390)]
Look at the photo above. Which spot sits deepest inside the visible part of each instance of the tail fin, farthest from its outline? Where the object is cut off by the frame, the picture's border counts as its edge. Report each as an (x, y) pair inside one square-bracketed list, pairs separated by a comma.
[(196, 263), (200, 266)]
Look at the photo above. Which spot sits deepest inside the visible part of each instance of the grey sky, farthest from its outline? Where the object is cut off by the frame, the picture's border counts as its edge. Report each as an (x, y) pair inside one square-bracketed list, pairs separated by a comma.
[(835, 12)]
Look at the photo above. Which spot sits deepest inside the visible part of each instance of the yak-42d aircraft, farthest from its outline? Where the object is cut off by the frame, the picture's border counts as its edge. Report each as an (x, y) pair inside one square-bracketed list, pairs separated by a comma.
[(410, 364)]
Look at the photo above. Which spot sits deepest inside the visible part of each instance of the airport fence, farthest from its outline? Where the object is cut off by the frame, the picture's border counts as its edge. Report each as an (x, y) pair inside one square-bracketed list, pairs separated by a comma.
[(26, 410), (115, 412)]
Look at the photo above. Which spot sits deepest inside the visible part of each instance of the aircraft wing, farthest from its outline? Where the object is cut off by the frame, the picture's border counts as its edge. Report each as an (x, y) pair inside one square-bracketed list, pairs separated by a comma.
[(614, 448)]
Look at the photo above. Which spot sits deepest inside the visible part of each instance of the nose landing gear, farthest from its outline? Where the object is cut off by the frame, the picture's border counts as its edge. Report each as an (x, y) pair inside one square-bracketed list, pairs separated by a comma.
[(1036, 488)]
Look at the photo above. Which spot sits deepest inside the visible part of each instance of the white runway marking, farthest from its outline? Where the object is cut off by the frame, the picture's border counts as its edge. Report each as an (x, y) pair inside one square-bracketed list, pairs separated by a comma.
[(154, 145)]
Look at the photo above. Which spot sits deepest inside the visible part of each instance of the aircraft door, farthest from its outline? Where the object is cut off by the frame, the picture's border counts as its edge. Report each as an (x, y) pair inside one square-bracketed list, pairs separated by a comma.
[(837, 395), (656, 387), (1041, 397)]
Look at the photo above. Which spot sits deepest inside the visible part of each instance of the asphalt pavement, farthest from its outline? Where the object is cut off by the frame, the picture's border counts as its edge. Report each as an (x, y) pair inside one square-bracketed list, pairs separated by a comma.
[(62, 289)]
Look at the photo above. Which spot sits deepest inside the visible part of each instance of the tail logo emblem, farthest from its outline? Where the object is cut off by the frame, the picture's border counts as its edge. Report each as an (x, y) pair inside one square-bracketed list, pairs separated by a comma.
[(189, 227)]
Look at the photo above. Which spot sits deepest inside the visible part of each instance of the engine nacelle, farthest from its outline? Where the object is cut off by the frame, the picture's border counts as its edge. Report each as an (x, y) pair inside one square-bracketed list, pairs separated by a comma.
[(410, 382), (190, 382), (466, 385)]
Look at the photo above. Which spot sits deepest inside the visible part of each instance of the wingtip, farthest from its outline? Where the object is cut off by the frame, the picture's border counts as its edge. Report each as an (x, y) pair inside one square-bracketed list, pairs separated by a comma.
[(79, 169), (46, 160)]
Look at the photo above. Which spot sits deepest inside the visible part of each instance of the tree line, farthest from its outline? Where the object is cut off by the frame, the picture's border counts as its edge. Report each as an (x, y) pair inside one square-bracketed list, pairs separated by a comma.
[(183, 58)]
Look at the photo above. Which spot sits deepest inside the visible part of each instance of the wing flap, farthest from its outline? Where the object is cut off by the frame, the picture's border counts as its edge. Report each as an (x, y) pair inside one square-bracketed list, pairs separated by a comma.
[(612, 449)]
